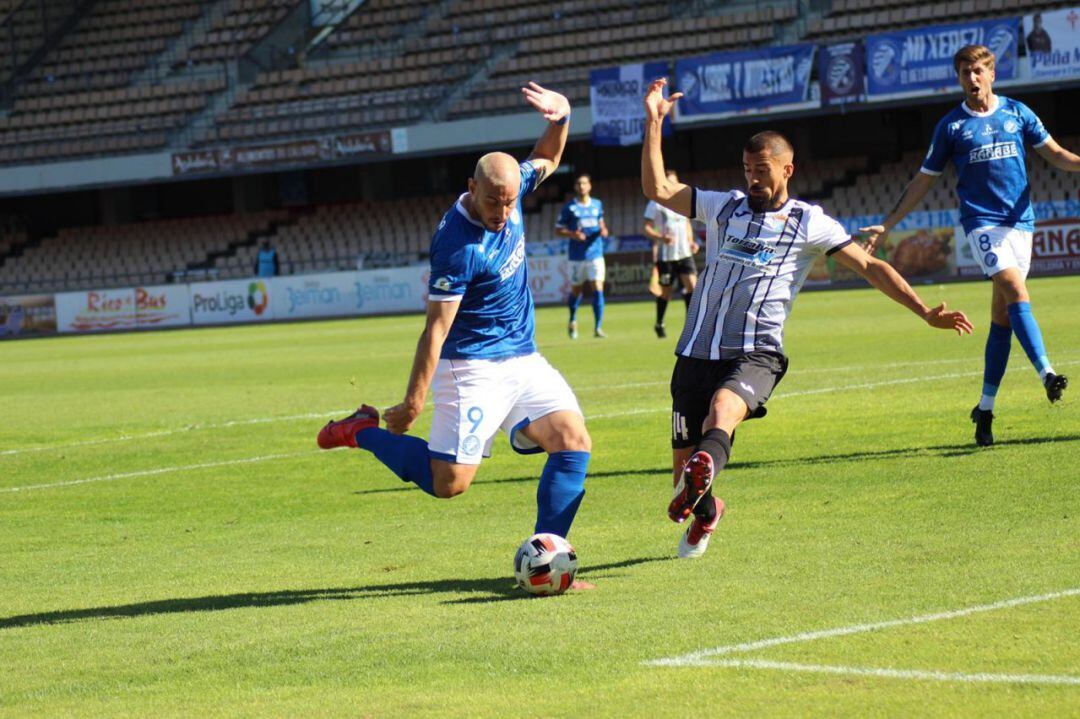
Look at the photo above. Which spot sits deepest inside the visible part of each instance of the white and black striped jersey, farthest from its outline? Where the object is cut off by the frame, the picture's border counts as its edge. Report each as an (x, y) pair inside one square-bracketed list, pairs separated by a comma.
[(669, 223), (755, 264)]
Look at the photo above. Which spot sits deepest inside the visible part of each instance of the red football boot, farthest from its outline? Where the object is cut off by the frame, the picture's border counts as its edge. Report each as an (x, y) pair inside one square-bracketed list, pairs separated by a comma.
[(342, 433), (695, 540), (697, 477)]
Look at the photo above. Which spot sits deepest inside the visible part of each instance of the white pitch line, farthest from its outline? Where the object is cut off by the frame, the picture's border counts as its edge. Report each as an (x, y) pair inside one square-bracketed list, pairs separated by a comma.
[(897, 673), (604, 415), (167, 432), (159, 470), (701, 657)]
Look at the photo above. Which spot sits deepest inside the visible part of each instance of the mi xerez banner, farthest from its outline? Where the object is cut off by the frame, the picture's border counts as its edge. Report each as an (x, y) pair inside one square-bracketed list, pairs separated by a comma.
[(921, 59)]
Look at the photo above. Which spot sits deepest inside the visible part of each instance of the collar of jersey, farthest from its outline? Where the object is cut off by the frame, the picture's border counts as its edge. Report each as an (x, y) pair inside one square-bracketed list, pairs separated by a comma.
[(465, 213), (988, 113)]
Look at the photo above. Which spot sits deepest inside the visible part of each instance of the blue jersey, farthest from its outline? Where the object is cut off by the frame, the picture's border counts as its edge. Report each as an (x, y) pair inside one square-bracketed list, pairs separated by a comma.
[(988, 150), (487, 273), (586, 218)]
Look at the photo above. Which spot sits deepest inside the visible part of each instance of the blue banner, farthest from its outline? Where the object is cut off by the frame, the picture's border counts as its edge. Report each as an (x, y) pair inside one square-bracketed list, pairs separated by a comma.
[(616, 95), (726, 82), (922, 58), (840, 73)]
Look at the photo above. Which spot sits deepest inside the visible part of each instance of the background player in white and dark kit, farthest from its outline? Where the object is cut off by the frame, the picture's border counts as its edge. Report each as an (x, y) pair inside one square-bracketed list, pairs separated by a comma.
[(582, 221), (759, 247), (673, 249), (986, 138), (477, 351)]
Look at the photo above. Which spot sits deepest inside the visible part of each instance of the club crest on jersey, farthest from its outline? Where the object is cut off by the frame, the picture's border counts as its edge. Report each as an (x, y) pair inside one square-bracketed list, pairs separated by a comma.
[(1011, 126)]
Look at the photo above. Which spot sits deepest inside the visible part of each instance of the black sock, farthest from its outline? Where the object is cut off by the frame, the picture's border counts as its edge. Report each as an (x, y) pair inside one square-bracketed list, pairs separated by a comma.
[(661, 310), (686, 298), (717, 445)]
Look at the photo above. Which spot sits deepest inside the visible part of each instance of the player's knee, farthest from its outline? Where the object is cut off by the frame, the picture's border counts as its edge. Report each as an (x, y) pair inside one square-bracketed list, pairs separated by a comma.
[(574, 438), (448, 489)]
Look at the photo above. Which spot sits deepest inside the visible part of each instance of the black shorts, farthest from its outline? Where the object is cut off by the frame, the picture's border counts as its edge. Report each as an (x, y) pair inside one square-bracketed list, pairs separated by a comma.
[(669, 270), (752, 376)]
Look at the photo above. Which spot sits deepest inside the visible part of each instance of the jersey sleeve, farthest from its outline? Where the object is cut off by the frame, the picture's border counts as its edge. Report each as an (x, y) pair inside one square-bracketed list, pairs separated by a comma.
[(599, 210), (650, 211), (451, 268), (704, 204), (940, 150), (566, 218), (529, 178), (825, 233), (1034, 132)]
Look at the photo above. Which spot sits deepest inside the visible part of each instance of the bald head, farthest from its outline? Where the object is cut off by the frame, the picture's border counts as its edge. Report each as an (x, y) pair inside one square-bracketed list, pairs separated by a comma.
[(497, 169), (494, 189)]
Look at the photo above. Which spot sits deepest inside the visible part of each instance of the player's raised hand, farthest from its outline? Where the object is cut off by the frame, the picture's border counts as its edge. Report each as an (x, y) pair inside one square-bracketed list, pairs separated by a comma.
[(656, 105), (875, 236), (399, 418), (548, 103), (944, 320)]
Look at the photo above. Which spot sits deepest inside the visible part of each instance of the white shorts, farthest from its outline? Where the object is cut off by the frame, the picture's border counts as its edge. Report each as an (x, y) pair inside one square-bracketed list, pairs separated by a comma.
[(476, 398), (591, 270), (999, 248)]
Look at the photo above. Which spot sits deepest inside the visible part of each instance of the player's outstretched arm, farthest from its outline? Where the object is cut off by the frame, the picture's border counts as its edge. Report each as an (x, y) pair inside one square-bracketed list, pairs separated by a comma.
[(654, 182), (1058, 156), (883, 277), (440, 316), (553, 107), (913, 194)]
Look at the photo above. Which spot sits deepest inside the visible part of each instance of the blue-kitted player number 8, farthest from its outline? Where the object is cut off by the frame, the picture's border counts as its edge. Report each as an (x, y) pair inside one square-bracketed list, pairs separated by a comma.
[(476, 416), (984, 243)]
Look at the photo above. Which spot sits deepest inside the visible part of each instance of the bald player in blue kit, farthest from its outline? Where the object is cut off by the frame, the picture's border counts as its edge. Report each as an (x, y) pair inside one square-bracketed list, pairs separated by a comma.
[(477, 352)]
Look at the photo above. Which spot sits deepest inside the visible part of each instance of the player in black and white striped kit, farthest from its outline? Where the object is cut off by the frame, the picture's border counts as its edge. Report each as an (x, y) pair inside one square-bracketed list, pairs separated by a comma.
[(759, 247)]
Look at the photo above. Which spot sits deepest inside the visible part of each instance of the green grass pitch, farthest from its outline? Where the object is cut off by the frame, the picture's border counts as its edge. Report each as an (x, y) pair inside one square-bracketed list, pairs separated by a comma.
[(172, 543)]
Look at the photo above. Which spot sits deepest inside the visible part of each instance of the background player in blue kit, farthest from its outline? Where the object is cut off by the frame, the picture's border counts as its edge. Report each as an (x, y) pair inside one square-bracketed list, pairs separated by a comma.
[(582, 220), (477, 352), (985, 137)]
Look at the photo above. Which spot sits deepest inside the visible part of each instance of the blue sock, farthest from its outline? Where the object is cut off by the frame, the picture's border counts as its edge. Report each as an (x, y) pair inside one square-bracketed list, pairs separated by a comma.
[(562, 485), (405, 456), (1030, 336), (996, 358), (573, 303), (598, 307)]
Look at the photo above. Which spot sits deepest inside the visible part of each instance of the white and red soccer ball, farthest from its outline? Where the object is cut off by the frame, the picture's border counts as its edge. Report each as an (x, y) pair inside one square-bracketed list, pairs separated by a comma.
[(545, 564)]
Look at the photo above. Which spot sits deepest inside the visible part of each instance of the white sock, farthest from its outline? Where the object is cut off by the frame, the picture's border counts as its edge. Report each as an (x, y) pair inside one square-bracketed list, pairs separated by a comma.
[(1048, 370), (986, 403)]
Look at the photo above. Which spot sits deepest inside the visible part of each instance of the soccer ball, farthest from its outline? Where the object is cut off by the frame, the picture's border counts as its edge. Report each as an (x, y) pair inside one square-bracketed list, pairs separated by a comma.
[(545, 564)]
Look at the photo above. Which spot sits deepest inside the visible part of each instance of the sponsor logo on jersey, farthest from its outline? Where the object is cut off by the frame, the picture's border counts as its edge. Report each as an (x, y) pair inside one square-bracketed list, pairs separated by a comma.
[(988, 131), (993, 151), (747, 252), (443, 284), (513, 262)]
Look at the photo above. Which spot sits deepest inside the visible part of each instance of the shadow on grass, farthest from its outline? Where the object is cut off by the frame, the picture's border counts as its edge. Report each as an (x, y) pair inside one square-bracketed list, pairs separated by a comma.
[(409, 486), (943, 450), (489, 590)]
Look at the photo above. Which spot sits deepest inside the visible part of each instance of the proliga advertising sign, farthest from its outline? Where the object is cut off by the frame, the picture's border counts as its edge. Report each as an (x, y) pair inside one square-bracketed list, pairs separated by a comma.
[(1053, 43), (230, 301), (922, 58)]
